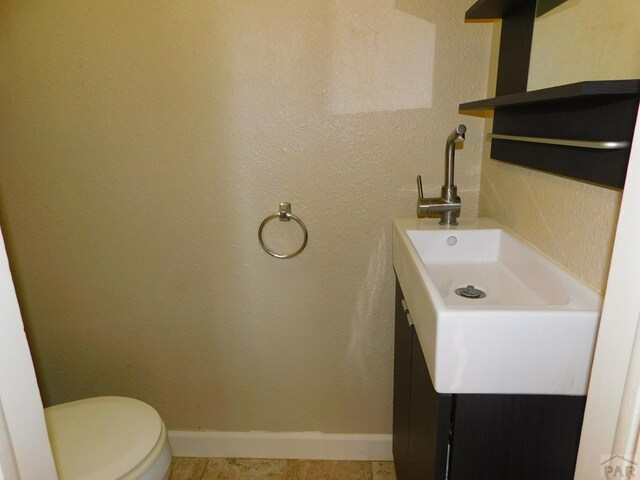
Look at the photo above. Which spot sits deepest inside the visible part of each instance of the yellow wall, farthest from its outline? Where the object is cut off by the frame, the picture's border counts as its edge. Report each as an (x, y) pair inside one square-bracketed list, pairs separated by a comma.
[(572, 222), (142, 144)]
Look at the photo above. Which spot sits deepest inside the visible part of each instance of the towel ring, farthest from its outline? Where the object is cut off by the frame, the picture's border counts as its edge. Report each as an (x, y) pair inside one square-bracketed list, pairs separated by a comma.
[(285, 215)]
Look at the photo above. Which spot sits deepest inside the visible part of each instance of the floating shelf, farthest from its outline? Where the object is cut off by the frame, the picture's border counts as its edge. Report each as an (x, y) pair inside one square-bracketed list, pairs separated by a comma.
[(595, 90), (582, 130), (494, 9)]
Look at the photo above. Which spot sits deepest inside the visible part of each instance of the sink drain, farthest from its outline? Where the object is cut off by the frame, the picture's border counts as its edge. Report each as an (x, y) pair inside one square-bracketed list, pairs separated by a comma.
[(470, 292)]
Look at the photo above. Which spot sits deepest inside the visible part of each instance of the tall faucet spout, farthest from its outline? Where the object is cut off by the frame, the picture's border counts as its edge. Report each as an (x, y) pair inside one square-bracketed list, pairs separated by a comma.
[(456, 136), (448, 204)]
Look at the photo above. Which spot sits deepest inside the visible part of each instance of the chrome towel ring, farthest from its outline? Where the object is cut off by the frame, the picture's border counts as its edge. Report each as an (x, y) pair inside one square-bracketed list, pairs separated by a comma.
[(285, 215)]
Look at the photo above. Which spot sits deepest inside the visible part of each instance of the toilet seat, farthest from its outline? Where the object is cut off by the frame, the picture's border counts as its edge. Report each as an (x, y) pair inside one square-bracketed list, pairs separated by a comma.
[(106, 438)]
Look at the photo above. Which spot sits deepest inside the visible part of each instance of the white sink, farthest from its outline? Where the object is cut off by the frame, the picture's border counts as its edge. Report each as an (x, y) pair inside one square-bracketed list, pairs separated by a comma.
[(533, 333)]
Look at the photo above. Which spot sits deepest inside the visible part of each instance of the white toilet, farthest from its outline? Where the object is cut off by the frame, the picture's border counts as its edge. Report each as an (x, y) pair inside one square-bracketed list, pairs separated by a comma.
[(108, 438)]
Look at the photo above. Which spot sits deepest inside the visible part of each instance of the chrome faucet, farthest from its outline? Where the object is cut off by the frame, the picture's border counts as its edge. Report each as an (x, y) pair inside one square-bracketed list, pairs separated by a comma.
[(448, 205)]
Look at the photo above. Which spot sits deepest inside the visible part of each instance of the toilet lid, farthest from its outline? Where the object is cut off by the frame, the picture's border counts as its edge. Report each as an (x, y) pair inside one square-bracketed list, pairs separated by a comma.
[(101, 438)]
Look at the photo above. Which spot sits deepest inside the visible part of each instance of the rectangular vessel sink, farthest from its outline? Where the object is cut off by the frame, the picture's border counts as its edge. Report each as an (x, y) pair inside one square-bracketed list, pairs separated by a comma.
[(531, 329)]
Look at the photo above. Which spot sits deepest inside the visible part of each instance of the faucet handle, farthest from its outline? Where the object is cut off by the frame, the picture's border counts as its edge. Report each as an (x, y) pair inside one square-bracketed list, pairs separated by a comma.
[(419, 181)]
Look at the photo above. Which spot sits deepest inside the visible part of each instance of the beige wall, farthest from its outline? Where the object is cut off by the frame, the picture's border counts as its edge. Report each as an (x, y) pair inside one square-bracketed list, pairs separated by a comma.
[(143, 142), (573, 222)]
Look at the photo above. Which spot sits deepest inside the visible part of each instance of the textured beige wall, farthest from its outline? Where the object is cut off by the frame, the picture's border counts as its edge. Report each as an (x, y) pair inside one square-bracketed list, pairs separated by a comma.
[(143, 142), (573, 222)]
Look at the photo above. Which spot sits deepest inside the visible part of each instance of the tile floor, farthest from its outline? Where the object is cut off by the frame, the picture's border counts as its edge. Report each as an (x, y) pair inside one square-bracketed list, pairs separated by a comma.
[(261, 469)]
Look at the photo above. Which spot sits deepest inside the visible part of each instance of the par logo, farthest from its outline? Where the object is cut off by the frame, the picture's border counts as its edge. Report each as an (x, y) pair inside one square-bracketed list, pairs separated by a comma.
[(618, 466)]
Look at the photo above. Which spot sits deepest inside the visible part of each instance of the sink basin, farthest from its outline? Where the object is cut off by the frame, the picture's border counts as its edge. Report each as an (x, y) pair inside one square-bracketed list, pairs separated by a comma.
[(531, 331)]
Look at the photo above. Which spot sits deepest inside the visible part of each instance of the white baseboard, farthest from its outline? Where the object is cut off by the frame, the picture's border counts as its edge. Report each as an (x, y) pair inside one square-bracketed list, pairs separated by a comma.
[(311, 446)]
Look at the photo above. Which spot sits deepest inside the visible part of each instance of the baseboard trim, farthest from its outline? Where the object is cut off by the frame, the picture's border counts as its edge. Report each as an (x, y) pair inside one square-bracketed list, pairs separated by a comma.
[(292, 445)]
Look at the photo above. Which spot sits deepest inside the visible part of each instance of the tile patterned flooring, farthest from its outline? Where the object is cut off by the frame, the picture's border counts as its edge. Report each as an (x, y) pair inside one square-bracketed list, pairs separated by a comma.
[(265, 469)]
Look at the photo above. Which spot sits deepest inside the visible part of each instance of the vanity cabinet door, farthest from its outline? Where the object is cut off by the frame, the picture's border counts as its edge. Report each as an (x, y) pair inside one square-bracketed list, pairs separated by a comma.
[(401, 388), (421, 416), (429, 423), (526, 437)]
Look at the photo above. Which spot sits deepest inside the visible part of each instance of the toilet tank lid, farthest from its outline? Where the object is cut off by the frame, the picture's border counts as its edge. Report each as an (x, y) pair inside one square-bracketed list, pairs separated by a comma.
[(101, 438)]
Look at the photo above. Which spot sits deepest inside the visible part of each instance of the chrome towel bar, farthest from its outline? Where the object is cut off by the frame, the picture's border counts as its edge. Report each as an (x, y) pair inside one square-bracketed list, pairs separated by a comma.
[(594, 144)]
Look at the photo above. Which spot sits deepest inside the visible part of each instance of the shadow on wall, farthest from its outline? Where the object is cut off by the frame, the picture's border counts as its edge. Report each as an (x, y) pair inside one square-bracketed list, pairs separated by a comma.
[(382, 59)]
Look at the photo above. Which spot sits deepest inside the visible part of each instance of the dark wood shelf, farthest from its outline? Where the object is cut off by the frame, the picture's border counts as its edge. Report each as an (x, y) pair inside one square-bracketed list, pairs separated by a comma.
[(495, 9), (553, 129), (597, 90), (591, 111), (492, 9)]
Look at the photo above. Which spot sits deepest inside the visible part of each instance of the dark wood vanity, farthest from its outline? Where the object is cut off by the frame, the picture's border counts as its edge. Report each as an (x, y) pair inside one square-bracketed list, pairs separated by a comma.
[(475, 436)]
